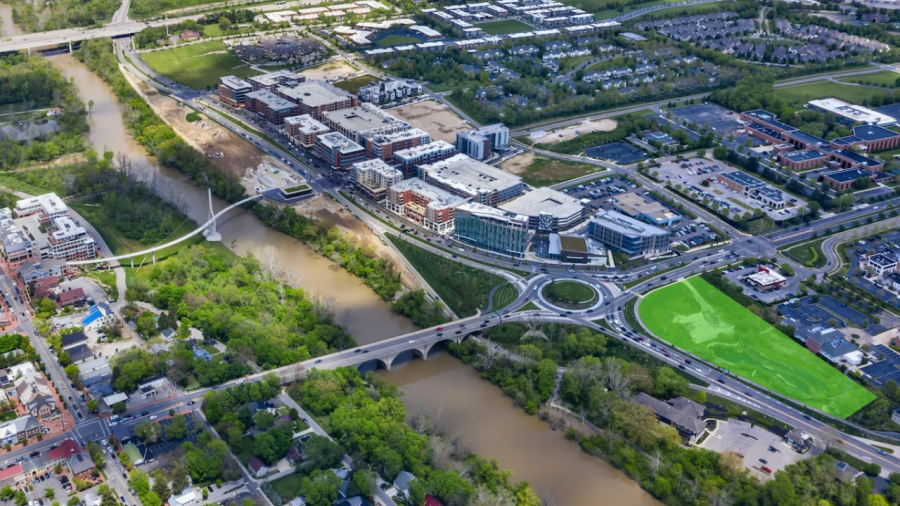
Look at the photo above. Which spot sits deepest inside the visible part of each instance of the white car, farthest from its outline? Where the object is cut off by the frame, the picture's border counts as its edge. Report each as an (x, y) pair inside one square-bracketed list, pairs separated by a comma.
[(153, 417)]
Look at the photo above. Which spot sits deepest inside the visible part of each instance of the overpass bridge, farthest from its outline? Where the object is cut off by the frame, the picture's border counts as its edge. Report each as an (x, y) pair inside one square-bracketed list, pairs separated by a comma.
[(208, 229), (31, 41)]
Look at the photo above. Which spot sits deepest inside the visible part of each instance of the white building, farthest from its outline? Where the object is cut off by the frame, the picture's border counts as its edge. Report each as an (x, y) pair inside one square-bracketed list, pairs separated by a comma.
[(374, 177), (548, 210), (849, 113), (473, 180), (46, 206)]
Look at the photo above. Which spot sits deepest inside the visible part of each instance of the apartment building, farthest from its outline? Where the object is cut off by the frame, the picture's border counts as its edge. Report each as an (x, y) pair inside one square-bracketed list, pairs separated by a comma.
[(374, 177), (233, 90), (69, 241), (316, 98), (338, 151), (362, 122), (45, 207), (492, 229), (408, 159), (274, 80), (303, 130), (423, 203), (383, 146), (481, 142), (271, 107)]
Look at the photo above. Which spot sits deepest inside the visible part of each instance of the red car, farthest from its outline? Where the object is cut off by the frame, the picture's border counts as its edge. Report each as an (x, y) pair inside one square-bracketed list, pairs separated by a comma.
[(766, 469), (440, 328)]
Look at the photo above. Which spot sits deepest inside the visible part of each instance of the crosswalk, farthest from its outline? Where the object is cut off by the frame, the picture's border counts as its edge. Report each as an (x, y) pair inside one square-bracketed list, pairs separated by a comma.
[(613, 289)]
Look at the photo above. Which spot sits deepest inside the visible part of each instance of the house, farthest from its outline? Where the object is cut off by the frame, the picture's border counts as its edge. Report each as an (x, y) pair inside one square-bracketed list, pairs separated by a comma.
[(73, 297), (189, 35), (258, 467), (73, 339), (13, 475), (680, 412), (61, 453), (34, 393), (46, 287), (846, 473), (80, 465), (98, 316), (168, 333), (294, 455), (186, 496), (13, 431), (798, 439), (401, 483), (840, 350), (430, 500)]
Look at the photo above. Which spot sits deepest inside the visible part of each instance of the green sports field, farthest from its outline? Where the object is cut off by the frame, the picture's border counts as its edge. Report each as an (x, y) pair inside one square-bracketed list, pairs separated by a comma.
[(503, 27), (697, 317), (198, 66)]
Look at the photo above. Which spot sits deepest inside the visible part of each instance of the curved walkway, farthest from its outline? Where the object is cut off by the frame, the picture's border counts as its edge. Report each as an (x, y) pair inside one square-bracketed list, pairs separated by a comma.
[(170, 243)]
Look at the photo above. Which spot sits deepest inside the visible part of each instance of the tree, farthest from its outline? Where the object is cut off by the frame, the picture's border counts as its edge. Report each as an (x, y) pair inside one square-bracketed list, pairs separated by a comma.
[(787, 270), (322, 453), (72, 372), (416, 492), (179, 479), (93, 406), (832, 322), (321, 487), (264, 420), (73, 501), (161, 487), (7, 493), (176, 431), (21, 500), (701, 397), (364, 481), (49, 493), (224, 24)]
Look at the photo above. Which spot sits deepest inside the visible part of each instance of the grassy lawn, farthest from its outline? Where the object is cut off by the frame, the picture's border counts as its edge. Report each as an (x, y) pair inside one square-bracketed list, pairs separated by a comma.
[(687, 9), (503, 27), (354, 84), (801, 94), (504, 296), (695, 316), (287, 487), (531, 306), (397, 40), (8, 415), (809, 254), (462, 288), (544, 171), (14, 184), (215, 31), (570, 294), (603, 323), (886, 78), (245, 450), (107, 281), (442, 87), (198, 66), (739, 203)]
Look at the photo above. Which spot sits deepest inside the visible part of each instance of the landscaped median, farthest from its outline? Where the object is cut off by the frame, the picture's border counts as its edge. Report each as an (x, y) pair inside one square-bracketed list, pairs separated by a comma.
[(695, 316)]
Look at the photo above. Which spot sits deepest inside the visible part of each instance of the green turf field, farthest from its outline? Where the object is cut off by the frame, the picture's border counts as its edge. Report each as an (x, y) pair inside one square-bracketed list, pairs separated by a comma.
[(697, 317), (198, 66), (886, 78), (396, 40), (503, 27), (353, 85)]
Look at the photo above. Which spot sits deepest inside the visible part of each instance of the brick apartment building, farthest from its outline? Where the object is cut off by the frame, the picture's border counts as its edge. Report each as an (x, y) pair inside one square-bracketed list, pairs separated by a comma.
[(233, 91)]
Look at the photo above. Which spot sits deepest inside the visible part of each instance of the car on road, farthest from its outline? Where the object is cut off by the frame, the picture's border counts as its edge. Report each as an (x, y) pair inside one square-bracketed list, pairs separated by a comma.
[(807, 417), (319, 361), (191, 403), (145, 413), (766, 469), (412, 341), (154, 417)]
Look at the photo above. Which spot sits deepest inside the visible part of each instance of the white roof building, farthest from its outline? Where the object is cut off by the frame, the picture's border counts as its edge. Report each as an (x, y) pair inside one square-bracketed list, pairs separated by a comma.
[(852, 113)]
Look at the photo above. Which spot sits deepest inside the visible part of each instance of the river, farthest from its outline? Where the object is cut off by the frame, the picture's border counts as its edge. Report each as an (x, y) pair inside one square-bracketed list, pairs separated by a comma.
[(464, 404), (365, 315), (7, 27)]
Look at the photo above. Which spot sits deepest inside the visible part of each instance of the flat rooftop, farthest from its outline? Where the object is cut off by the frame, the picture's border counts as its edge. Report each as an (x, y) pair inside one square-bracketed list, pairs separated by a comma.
[(858, 158), (771, 132), (764, 278), (768, 118), (633, 205), (335, 140), (438, 198), (626, 225), (360, 119), (470, 175), (306, 123), (493, 213), (277, 77), (808, 138), (314, 93), (743, 179), (845, 175), (424, 149), (573, 243), (235, 83), (803, 155), (853, 112), (544, 200), (873, 133), (272, 101)]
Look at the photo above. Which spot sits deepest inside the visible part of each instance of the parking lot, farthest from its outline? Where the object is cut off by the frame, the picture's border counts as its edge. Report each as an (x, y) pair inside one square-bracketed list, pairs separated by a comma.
[(791, 287), (692, 173), (604, 192), (753, 443), (91, 289), (50, 482), (717, 119), (806, 313)]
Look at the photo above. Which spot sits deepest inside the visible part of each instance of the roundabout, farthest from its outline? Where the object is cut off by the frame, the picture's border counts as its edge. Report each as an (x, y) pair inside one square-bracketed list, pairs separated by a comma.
[(572, 295)]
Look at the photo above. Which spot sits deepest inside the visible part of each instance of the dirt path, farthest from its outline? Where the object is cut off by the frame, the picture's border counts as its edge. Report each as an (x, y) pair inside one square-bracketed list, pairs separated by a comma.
[(518, 164)]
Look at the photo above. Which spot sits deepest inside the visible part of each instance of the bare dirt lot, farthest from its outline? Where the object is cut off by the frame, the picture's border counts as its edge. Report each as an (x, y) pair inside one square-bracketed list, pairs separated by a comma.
[(518, 164), (332, 71), (586, 127), (238, 155), (333, 213), (433, 117)]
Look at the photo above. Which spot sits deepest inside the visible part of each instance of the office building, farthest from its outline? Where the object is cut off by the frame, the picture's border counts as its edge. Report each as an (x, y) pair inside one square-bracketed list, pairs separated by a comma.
[(338, 151), (803, 159), (843, 179), (316, 98), (303, 130), (628, 235), (482, 142), (273, 80), (492, 229), (548, 210), (423, 203), (366, 120), (649, 211), (473, 180), (871, 138), (850, 114), (374, 177), (383, 146), (408, 159), (271, 107), (754, 188), (233, 91), (44, 207)]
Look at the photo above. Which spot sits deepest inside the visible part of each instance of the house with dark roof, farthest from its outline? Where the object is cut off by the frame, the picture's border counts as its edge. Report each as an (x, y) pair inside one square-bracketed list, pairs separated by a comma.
[(846, 473), (80, 465), (680, 412), (73, 339), (258, 467), (401, 483), (73, 297)]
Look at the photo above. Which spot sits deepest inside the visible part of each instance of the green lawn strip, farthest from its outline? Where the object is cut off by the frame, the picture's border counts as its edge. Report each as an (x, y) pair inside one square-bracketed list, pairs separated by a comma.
[(107, 279), (630, 318), (353, 85), (243, 450), (686, 9), (198, 66), (810, 254), (887, 79), (530, 306), (8, 415), (738, 202), (721, 408), (504, 296), (21, 186), (603, 323), (287, 487), (464, 289), (694, 316), (503, 27), (396, 40), (884, 449)]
